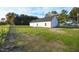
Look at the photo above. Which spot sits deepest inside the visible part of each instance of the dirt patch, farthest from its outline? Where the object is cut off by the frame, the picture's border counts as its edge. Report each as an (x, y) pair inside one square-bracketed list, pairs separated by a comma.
[(58, 30), (38, 44), (76, 29), (57, 46), (29, 43)]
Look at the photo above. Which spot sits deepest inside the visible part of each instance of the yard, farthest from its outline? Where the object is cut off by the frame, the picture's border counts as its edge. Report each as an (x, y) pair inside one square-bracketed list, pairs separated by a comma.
[(46, 39)]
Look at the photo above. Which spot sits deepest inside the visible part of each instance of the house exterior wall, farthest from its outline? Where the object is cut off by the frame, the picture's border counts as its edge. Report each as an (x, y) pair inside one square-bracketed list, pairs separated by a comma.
[(49, 24), (41, 24), (54, 22)]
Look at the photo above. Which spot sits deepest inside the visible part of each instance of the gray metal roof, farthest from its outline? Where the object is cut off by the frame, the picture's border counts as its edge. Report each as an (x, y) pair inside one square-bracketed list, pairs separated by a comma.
[(43, 19)]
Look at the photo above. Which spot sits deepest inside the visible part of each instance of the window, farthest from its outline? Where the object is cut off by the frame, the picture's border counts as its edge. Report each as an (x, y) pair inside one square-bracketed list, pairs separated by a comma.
[(45, 24), (37, 24)]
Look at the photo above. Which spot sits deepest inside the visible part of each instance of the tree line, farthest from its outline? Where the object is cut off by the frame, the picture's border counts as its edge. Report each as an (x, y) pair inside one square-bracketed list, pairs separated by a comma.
[(23, 19), (19, 19), (13, 18)]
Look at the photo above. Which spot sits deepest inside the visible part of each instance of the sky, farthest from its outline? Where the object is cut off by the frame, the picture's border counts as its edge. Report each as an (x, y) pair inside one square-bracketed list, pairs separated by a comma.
[(31, 11)]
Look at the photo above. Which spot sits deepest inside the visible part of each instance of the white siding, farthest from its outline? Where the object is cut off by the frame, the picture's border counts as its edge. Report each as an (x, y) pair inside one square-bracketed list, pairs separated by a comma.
[(41, 24), (49, 24)]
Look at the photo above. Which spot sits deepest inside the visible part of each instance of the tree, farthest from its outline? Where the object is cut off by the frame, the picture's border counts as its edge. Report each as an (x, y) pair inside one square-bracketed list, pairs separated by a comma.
[(24, 19), (52, 13), (63, 16), (10, 17), (73, 13)]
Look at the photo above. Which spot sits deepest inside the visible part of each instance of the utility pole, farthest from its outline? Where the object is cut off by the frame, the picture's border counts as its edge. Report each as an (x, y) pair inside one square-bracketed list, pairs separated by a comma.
[(77, 19)]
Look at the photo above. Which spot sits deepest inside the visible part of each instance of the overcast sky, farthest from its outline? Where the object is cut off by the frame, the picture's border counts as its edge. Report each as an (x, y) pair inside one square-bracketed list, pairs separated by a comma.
[(34, 11)]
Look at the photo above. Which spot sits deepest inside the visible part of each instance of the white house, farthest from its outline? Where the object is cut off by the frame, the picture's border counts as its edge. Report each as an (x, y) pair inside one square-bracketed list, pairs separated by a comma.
[(49, 22), (2, 19)]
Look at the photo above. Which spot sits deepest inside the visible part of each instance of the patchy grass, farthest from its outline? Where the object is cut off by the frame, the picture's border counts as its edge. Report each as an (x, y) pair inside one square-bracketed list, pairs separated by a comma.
[(43, 39), (47, 39)]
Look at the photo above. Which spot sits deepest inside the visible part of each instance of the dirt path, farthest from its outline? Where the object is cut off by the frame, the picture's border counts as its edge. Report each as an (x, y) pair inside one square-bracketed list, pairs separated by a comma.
[(11, 34)]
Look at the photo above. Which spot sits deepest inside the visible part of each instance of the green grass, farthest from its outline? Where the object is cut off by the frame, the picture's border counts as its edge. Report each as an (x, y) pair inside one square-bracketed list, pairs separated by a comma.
[(69, 39), (3, 32), (43, 39)]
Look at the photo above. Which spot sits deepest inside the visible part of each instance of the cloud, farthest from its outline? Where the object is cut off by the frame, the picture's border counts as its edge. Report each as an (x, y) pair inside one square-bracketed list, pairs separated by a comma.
[(38, 11), (34, 11)]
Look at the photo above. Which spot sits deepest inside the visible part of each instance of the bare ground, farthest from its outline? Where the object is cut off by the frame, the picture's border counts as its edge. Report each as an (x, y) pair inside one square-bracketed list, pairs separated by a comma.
[(38, 44), (58, 30)]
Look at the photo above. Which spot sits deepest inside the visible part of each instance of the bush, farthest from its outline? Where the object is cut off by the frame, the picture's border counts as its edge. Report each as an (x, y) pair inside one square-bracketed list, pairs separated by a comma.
[(3, 23)]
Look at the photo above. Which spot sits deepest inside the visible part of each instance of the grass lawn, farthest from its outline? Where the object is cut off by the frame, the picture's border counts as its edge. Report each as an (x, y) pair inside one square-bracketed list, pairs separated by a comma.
[(47, 39), (42, 39)]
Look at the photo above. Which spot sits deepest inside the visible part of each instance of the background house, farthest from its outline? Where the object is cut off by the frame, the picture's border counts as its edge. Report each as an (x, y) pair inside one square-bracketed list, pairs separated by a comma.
[(50, 21)]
